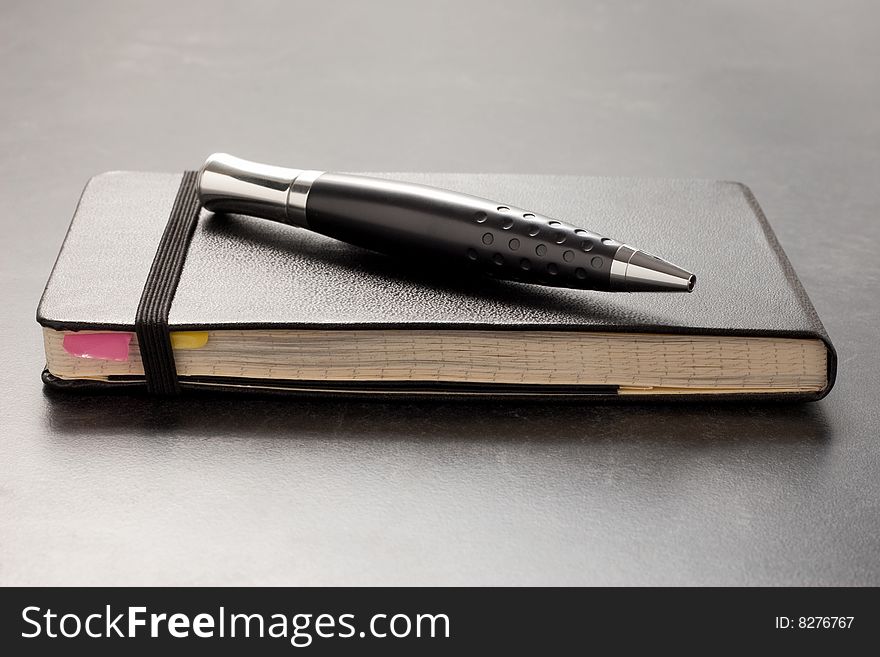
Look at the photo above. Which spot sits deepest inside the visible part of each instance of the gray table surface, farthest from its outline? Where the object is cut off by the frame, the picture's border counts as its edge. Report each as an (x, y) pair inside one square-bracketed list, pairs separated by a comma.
[(783, 96)]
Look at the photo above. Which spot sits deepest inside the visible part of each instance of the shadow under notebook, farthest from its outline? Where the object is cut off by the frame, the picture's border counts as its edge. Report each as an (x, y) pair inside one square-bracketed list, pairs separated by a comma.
[(540, 422)]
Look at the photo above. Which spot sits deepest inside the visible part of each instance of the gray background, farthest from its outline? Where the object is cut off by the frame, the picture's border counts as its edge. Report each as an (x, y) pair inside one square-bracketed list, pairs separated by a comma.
[(783, 96)]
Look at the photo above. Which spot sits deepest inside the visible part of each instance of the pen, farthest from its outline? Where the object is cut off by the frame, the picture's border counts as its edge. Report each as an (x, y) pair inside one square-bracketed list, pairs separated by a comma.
[(438, 227)]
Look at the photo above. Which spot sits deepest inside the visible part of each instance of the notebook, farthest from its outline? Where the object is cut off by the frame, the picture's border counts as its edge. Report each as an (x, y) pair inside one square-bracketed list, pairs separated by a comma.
[(262, 306)]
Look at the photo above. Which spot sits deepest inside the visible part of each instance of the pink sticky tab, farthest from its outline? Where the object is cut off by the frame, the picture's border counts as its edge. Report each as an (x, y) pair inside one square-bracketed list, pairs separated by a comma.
[(105, 346)]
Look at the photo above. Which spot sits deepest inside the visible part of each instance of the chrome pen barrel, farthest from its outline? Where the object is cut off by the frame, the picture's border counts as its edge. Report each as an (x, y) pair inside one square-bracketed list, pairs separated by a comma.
[(233, 185), (436, 227)]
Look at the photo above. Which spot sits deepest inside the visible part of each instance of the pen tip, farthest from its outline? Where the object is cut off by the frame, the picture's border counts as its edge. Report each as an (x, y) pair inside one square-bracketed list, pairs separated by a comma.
[(634, 270)]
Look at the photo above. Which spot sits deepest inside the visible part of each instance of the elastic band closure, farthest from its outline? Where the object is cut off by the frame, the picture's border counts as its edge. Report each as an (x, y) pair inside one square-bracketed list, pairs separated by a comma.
[(151, 322)]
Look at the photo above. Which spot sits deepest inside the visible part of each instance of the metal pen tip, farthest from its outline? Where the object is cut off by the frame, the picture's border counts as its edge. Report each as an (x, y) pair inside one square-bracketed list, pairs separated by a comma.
[(634, 270)]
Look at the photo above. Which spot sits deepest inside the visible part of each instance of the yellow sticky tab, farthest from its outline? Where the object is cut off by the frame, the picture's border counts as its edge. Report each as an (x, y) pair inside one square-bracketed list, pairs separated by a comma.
[(189, 339)]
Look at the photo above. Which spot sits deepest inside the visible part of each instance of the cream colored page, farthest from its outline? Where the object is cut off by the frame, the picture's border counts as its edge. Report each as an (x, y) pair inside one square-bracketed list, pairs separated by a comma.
[(523, 357)]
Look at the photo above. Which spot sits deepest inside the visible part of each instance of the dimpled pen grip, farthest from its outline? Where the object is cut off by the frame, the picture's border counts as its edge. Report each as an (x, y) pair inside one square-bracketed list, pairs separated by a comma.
[(436, 228), (439, 227)]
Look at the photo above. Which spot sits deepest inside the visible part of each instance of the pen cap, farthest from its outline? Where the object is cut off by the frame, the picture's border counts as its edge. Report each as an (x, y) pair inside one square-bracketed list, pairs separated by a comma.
[(230, 184)]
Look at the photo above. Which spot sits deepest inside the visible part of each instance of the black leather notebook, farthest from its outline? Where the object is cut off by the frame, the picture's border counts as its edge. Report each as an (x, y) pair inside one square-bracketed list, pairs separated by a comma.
[(262, 306)]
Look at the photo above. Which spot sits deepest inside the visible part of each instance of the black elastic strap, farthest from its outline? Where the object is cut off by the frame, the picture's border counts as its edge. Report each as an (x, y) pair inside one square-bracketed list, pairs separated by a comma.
[(151, 322)]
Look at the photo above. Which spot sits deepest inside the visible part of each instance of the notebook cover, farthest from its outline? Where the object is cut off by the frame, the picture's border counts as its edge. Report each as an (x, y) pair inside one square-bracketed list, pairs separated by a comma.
[(242, 272)]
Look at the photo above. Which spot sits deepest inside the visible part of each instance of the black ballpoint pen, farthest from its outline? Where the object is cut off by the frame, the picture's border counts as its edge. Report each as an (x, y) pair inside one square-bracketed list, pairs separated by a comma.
[(436, 226)]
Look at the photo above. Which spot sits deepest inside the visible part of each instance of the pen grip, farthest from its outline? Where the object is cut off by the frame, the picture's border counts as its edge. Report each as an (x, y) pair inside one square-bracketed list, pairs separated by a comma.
[(440, 228)]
